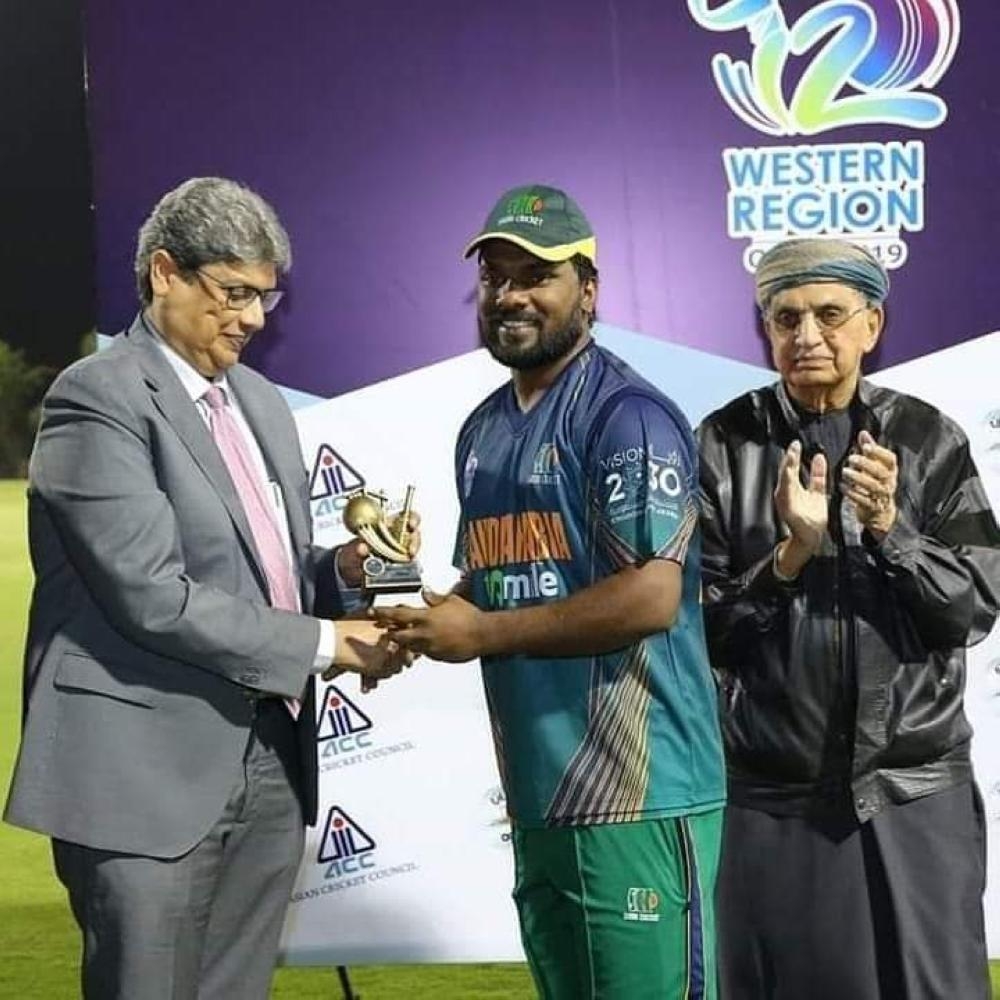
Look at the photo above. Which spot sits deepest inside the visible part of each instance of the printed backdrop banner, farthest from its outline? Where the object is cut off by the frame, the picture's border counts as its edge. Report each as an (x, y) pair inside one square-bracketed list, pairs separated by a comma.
[(691, 133), (410, 859), (695, 134)]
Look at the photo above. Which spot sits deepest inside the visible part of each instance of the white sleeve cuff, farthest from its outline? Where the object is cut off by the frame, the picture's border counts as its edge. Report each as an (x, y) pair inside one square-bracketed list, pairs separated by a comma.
[(326, 648)]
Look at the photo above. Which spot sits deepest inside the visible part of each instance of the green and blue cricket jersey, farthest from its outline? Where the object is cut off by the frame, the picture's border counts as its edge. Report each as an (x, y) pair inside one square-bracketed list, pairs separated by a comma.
[(600, 474)]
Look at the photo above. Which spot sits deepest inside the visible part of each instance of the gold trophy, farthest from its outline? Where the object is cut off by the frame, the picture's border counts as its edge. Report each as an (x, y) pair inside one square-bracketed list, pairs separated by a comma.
[(388, 569)]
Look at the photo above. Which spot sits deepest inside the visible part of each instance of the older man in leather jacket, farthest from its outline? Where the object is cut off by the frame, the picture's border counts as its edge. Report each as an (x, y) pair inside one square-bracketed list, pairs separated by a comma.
[(850, 555)]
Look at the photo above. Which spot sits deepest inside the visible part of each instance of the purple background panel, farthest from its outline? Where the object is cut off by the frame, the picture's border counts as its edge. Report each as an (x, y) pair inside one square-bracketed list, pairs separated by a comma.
[(383, 132)]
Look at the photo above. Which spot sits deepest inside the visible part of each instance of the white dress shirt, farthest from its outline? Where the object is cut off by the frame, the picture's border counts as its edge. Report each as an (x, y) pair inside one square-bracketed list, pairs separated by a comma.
[(196, 385)]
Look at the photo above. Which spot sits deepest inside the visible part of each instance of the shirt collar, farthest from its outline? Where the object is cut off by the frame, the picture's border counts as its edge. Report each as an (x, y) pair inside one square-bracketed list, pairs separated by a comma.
[(195, 384)]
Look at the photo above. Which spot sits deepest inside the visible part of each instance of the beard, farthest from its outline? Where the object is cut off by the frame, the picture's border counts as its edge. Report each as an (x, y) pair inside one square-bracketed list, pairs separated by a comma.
[(545, 349)]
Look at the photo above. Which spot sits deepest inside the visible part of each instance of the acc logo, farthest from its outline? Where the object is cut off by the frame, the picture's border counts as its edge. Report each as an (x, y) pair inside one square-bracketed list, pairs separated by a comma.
[(988, 439), (497, 804), (866, 60), (993, 678), (641, 905), (345, 847), (332, 476), (342, 726)]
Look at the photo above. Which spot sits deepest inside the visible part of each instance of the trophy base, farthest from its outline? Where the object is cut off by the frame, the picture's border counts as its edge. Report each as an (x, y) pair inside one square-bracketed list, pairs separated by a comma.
[(384, 577)]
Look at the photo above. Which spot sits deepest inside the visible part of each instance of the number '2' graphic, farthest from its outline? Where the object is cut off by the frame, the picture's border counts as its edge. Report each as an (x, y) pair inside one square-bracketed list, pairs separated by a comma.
[(867, 58)]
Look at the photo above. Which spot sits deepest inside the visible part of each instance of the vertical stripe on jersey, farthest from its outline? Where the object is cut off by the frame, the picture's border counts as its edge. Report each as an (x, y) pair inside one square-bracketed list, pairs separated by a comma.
[(607, 777)]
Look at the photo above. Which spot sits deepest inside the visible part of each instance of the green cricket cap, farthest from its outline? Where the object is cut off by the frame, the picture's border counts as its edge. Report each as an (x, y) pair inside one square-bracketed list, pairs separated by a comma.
[(542, 220)]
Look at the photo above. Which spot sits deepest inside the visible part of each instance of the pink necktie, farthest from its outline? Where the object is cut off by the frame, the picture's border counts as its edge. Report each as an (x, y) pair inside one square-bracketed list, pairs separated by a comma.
[(257, 506)]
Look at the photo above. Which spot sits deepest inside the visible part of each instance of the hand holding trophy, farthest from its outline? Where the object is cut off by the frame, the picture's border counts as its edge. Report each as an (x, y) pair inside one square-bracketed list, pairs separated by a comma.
[(389, 567)]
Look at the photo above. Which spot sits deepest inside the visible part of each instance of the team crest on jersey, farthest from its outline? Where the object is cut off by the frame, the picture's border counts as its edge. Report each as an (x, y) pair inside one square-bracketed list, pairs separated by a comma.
[(332, 476), (641, 905), (469, 473), (545, 469)]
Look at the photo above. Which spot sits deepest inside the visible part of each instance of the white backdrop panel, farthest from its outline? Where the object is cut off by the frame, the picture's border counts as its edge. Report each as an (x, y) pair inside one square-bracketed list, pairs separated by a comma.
[(410, 861)]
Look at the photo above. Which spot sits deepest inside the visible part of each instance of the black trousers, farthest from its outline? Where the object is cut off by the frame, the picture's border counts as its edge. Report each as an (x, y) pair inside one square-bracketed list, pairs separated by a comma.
[(832, 910)]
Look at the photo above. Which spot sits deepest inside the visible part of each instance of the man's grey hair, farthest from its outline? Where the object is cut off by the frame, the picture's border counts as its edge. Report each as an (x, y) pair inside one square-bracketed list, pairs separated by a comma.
[(209, 219)]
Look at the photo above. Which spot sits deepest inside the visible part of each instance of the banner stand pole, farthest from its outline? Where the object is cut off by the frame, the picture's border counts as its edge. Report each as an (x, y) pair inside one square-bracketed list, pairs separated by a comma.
[(345, 984)]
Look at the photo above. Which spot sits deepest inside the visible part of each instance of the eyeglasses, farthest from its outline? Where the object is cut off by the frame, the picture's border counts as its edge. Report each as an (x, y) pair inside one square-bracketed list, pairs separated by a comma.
[(240, 297), (827, 318)]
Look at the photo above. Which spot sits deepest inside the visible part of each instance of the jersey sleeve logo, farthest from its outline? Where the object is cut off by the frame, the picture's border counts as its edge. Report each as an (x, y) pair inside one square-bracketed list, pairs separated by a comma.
[(469, 474)]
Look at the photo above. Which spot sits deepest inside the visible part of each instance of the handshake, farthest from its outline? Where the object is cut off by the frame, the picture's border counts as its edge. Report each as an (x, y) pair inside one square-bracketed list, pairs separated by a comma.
[(449, 628), (365, 648)]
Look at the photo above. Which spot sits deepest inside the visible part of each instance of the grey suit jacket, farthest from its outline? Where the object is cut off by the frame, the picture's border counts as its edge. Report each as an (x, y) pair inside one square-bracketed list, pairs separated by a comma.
[(150, 630)]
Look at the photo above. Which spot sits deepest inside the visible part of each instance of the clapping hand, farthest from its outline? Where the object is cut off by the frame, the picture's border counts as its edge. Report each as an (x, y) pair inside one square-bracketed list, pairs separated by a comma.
[(803, 510), (869, 482)]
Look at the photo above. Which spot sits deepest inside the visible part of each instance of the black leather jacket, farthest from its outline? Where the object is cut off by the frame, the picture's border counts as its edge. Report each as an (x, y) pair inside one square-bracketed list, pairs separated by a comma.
[(844, 687)]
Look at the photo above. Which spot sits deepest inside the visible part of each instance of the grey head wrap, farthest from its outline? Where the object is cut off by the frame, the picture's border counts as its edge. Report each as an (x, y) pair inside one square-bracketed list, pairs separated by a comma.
[(804, 261)]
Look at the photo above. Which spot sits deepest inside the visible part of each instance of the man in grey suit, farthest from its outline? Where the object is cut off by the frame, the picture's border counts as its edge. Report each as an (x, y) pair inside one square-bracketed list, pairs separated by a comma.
[(179, 609)]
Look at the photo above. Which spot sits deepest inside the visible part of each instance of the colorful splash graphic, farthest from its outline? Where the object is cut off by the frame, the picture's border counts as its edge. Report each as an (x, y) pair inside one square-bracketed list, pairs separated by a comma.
[(853, 62)]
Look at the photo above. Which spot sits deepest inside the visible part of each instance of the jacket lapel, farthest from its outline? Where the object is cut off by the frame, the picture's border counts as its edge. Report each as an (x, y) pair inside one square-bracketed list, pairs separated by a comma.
[(180, 413)]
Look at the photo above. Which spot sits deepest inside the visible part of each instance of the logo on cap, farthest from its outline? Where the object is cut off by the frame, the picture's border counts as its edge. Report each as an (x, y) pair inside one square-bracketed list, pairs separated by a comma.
[(525, 204), (542, 220)]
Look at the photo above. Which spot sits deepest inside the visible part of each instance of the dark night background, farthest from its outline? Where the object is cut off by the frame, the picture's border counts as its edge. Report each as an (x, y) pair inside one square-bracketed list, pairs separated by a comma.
[(46, 254)]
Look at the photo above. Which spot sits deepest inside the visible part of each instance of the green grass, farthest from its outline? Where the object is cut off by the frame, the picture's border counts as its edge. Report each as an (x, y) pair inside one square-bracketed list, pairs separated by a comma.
[(38, 941)]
